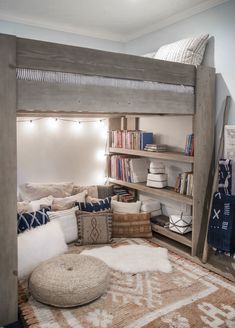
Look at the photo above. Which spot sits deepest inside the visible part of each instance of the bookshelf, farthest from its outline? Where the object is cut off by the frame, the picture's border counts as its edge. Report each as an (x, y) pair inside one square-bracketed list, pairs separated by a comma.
[(189, 243)]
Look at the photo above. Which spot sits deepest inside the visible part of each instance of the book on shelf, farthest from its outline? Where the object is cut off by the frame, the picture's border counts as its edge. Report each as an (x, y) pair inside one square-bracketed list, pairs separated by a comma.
[(189, 145), (184, 183), (155, 147), (130, 139), (124, 194)]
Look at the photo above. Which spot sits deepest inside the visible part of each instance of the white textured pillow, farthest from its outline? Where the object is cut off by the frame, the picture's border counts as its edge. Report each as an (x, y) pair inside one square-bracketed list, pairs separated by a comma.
[(35, 205), (187, 51), (150, 205), (38, 245), (33, 191), (120, 207), (81, 197), (68, 222)]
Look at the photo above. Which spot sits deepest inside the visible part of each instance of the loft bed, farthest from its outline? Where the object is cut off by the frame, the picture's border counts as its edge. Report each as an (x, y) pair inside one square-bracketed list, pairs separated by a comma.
[(41, 78)]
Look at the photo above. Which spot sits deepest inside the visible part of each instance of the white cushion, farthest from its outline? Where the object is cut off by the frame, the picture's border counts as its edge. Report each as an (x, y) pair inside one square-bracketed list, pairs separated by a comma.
[(81, 197), (38, 245), (120, 207), (33, 191), (68, 222), (187, 51), (150, 205), (34, 205)]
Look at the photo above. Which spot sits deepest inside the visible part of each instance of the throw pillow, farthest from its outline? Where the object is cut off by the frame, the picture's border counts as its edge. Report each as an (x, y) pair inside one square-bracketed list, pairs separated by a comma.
[(127, 225), (102, 205), (94, 228), (35, 205), (80, 197), (67, 221), (29, 220), (38, 245), (23, 207), (91, 190), (187, 51), (121, 207), (34, 191)]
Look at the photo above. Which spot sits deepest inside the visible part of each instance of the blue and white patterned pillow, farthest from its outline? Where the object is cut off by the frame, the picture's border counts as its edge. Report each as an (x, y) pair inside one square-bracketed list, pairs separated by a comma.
[(99, 206), (26, 221)]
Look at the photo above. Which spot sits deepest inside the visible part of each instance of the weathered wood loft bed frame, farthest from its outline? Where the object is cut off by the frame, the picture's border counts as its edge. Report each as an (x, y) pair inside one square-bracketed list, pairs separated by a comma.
[(118, 92)]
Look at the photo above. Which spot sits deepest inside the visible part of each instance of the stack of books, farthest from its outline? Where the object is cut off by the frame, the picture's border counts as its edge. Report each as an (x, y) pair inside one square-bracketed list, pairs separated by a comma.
[(156, 148), (131, 139), (189, 145), (184, 184), (124, 194)]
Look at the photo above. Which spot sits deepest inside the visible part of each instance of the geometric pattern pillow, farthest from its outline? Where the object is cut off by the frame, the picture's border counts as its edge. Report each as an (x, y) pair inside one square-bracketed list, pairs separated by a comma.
[(27, 221), (94, 228), (102, 205)]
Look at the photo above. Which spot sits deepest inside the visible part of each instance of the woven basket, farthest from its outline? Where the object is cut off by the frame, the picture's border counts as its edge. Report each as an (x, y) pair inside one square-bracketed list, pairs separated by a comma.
[(69, 280)]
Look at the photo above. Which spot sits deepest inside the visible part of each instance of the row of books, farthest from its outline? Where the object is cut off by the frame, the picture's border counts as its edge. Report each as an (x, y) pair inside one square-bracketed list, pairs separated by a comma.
[(128, 168), (189, 145), (131, 139), (124, 194), (184, 183)]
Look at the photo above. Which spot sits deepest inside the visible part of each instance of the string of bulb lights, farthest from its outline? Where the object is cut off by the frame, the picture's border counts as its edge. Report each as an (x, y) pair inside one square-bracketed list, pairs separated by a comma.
[(31, 120)]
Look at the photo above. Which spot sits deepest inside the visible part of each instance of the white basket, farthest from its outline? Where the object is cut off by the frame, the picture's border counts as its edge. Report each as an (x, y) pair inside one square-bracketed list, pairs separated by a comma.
[(180, 223)]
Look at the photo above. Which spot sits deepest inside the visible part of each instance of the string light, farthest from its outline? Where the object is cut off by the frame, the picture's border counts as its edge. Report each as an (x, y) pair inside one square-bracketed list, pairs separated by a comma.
[(31, 120)]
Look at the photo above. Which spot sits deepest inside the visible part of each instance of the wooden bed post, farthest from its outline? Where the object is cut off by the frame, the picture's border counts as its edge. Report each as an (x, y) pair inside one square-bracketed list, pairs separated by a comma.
[(8, 184), (204, 124)]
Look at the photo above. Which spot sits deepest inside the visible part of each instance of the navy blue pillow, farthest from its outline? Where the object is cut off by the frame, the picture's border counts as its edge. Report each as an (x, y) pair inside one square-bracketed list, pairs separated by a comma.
[(26, 221), (101, 205)]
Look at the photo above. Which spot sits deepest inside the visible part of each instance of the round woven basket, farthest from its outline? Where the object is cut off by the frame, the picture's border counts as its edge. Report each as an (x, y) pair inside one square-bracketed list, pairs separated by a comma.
[(69, 280)]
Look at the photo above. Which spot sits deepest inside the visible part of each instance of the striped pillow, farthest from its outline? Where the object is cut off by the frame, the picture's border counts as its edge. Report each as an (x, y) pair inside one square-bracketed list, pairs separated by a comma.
[(187, 51), (131, 225)]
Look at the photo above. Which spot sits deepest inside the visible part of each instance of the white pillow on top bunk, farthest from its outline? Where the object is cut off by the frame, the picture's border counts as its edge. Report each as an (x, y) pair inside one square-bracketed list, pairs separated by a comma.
[(187, 51)]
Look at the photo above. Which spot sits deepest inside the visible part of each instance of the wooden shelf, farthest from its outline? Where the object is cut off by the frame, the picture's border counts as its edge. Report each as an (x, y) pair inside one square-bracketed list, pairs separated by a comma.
[(172, 245), (169, 156), (168, 192), (183, 239)]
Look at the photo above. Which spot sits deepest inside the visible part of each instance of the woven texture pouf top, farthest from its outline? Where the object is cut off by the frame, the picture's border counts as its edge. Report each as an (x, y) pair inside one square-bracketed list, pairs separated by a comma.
[(69, 280)]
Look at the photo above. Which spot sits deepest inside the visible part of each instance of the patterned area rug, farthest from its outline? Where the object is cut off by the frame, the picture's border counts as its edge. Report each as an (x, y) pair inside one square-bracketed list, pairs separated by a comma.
[(189, 296)]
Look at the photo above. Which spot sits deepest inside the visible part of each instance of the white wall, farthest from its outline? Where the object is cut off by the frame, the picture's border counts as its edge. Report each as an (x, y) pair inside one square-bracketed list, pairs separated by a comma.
[(32, 32), (62, 151), (220, 23)]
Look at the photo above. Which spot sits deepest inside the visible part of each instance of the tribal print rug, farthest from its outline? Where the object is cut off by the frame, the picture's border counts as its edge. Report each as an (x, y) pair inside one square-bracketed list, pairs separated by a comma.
[(188, 297)]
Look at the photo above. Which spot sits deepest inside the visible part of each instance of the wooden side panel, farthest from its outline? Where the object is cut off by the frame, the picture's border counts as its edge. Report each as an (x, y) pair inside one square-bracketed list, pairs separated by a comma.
[(46, 96), (8, 235), (58, 57), (204, 121)]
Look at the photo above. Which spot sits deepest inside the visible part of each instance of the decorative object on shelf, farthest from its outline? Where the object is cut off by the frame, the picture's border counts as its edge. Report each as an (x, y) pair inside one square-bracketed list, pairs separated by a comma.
[(156, 148), (157, 180), (152, 206), (156, 167), (180, 223), (189, 145), (131, 139)]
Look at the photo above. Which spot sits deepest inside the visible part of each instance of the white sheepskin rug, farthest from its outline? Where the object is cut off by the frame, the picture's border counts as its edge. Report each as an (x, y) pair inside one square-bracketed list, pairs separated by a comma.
[(133, 258)]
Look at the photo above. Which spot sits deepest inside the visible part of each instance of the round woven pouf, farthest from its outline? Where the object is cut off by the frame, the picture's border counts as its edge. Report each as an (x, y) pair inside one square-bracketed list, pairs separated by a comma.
[(69, 280)]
